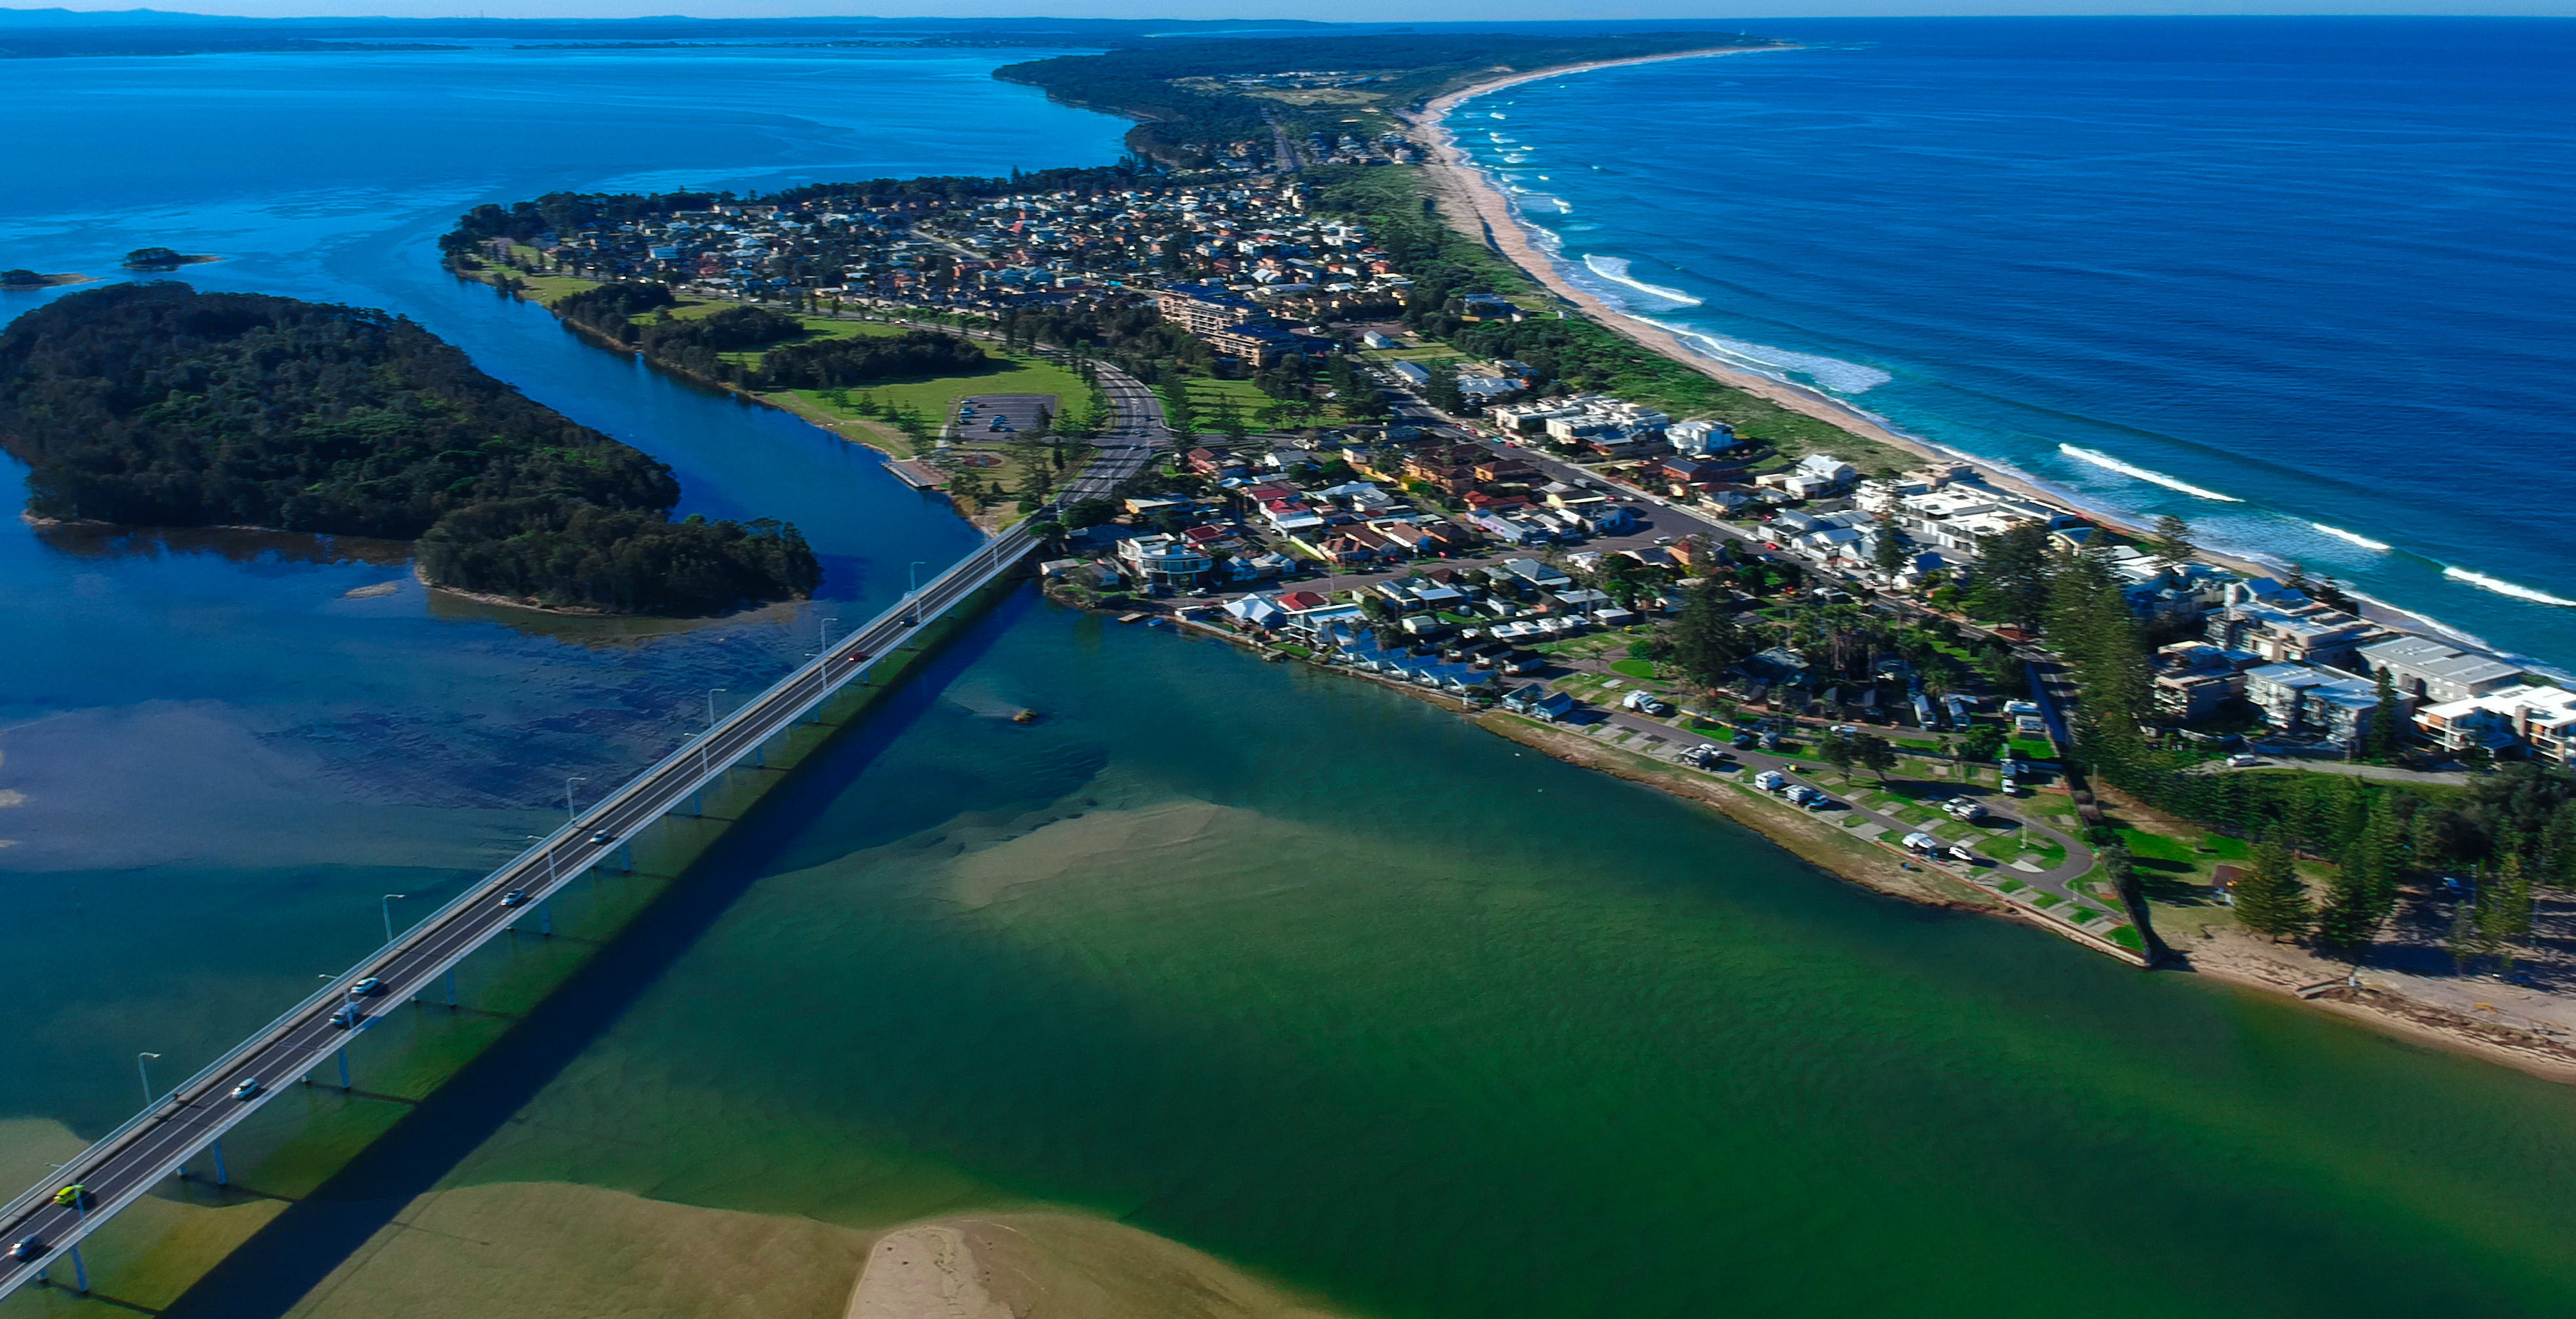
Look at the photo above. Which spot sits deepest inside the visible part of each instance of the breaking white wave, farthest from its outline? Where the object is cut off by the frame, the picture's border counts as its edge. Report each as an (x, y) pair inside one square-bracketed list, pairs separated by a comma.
[(2503, 587), (1830, 373), (1496, 114), (2350, 538), (2151, 477), (1616, 270), (1515, 160), (1499, 138)]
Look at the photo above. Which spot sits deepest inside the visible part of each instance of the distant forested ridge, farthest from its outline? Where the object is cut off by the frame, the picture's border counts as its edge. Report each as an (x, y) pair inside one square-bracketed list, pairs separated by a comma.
[(697, 345), (154, 404), (1180, 120)]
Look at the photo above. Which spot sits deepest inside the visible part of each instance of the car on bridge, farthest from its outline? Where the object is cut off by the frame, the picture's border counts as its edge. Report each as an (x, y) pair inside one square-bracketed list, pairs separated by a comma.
[(28, 1247), (348, 1017), (517, 897), (368, 987), (247, 1089), (600, 838)]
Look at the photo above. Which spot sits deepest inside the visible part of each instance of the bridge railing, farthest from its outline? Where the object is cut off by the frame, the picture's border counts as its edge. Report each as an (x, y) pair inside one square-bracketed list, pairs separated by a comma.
[(338, 988), (77, 1168)]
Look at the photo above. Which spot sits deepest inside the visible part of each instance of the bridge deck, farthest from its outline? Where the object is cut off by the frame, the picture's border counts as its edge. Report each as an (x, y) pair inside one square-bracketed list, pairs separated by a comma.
[(126, 1164)]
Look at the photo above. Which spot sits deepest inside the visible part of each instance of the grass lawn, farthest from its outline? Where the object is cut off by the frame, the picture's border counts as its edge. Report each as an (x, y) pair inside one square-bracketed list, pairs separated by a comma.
[(1634, 668), (936, 398), (2024, 748)]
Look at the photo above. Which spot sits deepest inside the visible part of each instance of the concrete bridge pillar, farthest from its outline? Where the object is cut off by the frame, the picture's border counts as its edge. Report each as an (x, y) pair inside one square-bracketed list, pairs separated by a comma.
[(222, 1178), (451, 989)]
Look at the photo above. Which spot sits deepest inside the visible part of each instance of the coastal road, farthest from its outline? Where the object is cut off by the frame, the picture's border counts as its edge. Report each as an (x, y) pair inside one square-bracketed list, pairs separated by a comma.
[(126, 1164)]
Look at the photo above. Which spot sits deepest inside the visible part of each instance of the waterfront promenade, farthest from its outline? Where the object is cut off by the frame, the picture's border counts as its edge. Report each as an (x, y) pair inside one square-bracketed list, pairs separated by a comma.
[(191, 1120)]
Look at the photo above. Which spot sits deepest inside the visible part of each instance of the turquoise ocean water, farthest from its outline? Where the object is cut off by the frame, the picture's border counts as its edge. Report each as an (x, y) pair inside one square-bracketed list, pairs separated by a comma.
[(2303, 281), (1280, 965)]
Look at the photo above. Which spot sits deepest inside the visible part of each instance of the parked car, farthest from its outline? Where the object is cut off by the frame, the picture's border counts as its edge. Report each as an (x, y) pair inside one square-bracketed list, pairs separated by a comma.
[(1741, 741), (2241, 760), (1922, 842), (1959, 852)]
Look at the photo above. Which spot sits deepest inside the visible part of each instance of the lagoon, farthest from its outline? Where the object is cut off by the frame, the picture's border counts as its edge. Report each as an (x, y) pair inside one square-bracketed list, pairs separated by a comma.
[(1287, 968)]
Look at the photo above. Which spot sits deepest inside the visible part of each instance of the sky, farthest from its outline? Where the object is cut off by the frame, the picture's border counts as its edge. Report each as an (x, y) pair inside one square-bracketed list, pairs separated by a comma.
[(1380, 11)]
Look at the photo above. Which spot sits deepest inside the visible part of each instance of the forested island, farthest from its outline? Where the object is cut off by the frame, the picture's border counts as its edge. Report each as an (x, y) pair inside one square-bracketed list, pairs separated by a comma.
[(154, 404)]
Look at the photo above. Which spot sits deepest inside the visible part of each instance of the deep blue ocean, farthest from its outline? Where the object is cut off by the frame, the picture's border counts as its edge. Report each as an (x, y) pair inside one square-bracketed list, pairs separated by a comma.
[(2307, 282)]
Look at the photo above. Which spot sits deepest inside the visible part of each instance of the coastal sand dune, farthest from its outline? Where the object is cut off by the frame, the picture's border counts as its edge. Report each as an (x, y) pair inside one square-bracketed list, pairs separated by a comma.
[(1055, 1266), (566, 1251)]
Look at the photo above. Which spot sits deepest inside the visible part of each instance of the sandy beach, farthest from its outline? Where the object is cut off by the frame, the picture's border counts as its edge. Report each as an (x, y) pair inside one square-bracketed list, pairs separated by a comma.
[(1472, 204)]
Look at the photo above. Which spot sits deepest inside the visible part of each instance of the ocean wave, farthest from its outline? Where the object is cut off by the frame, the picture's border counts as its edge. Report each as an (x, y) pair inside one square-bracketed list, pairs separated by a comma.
[(2503, 587), (1615, 269), (1830, 373), (2105, 460), (2351, 538), (1496, 114), (1515, 159)]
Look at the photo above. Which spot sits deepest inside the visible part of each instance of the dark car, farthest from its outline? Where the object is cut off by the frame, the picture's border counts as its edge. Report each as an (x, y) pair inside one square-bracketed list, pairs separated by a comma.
[(517, 897), (28, 1247), (1741, 741)]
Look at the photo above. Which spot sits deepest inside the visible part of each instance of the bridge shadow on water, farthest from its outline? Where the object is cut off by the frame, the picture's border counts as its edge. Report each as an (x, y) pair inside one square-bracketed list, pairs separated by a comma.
[(285, 1260)]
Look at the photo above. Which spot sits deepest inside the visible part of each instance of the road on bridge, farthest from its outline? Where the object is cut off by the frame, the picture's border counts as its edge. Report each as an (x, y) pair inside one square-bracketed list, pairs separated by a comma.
[(129, 1162)]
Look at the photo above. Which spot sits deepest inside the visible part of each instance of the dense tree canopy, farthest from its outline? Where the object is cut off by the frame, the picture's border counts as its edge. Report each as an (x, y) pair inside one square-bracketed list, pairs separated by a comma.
[(783, 358), (155, 404)]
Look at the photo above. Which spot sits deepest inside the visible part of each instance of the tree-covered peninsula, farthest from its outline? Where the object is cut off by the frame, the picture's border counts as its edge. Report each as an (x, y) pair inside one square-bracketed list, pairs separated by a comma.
[(154, 404)]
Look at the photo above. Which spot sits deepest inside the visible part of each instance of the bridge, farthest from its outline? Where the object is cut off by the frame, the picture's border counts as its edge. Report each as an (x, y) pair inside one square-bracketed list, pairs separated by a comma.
[(46, 1225)]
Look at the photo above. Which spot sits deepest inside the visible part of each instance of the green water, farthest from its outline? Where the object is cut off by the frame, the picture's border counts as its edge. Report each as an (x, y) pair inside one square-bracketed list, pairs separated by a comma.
[(1335, 986)]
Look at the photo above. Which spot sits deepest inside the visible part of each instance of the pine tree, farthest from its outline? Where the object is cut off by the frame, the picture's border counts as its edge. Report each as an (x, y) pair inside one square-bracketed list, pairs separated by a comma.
[(2384, 720), (2505, 909), (2270, 897), (2172, 545), (2364, 892)]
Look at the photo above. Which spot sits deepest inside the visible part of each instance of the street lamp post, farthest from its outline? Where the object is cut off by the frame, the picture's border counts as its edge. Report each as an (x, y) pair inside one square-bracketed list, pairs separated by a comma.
[(917, 566), (390, 900), (569, 814), (141, 1071), (703, 767)]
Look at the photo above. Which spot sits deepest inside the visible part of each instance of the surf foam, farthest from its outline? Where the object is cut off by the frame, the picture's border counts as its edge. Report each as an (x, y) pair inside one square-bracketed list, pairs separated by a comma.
[(2502, 587), (1616, 270), (2106, 461), (2351, 538), (1830, 373)]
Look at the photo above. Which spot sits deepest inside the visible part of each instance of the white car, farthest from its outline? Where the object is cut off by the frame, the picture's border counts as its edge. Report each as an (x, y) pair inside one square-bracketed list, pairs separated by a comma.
[(246, 1089), (2241, 760)]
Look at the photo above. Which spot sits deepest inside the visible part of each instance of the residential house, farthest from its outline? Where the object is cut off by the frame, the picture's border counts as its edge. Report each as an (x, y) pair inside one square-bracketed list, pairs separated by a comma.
[(2330, 704), (1537, 574), (2437, 673), (2532, 719)]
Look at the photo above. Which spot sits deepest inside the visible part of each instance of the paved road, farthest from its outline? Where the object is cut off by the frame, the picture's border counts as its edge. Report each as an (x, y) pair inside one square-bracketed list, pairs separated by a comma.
[(128, 1163), (1679, 738)]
